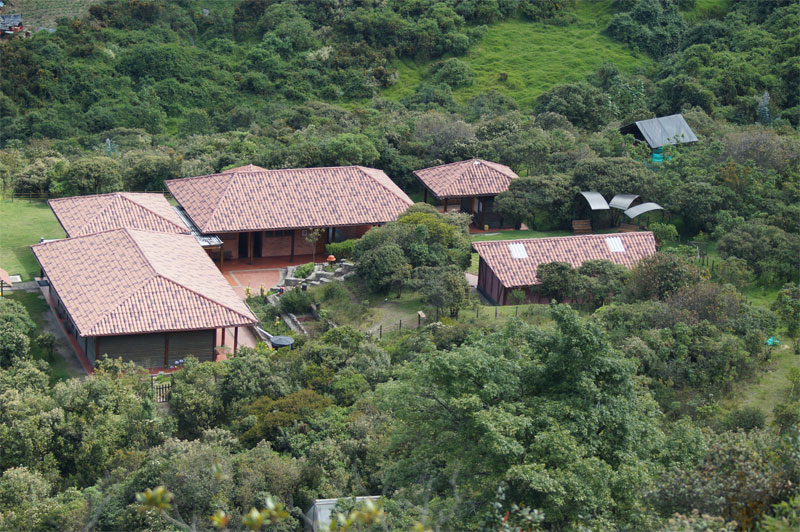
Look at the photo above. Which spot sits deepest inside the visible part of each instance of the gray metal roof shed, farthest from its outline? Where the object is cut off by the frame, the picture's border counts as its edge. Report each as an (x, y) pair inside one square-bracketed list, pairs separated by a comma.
[(596, 201), (318, 517), (633, 212), (623, 201), (662, 131)]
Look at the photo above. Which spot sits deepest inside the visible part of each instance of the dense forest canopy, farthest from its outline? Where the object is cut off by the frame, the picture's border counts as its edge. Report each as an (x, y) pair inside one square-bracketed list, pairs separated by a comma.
[(615, 416)]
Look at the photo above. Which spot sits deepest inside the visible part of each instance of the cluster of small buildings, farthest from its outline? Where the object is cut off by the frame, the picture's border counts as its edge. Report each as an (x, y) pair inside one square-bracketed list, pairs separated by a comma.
[(140, 278)]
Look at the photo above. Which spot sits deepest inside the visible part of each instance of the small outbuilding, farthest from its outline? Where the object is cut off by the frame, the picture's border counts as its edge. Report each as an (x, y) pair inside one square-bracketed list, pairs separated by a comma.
[(660, 132), (506, 265), (471, 186), (10, 24), (318, 517), (145, 296)]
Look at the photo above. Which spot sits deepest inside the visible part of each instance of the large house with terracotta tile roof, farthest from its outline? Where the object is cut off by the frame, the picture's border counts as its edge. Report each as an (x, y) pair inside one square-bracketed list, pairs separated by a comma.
[(506, 265), (470, 185), (266, 213), (147, 296)]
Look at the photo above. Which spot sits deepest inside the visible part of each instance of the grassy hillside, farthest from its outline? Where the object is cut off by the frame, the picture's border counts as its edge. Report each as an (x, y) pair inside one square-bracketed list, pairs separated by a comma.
[(535, 57), (44, 13)]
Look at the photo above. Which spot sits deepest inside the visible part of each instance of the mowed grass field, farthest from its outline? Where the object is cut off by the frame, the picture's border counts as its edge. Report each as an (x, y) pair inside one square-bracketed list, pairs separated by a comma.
[(532, 57), (23, 224)]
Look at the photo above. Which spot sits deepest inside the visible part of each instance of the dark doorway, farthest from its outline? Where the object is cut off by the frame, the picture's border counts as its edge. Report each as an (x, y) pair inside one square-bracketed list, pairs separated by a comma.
[(257, 244), (243, 245)]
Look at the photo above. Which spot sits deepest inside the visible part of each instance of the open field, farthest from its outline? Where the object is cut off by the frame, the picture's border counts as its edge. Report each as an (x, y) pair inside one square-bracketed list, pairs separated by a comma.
[(23, 224), (38, 14), (523, 59)]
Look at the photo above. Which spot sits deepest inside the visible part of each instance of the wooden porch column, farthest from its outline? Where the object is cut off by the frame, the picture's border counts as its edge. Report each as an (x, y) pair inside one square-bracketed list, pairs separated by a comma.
[(235, 339), (291, 257), (483, 213), (221, 256), (250, 246), (166, 349), (445, 205), (471, 201), (425, 196), (223, 336), (96, 348)]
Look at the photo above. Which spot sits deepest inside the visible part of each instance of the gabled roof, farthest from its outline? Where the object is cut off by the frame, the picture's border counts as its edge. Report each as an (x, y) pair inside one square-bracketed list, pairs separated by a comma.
[(250, 198), (84, 215), (574, 250), (474, 177), (127, 281), (662, 131)]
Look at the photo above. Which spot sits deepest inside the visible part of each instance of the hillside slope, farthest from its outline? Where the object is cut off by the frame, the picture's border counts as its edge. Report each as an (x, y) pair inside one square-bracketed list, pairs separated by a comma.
[(523, 59)]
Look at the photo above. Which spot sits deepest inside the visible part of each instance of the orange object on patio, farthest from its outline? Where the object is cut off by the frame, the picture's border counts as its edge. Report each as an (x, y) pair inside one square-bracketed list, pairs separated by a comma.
[(331, 258)]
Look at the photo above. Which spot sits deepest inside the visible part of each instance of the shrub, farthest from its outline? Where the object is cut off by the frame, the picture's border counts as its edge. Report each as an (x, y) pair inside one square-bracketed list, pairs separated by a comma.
[(304, 270), (747, 419), (341, 250), (295, 301)]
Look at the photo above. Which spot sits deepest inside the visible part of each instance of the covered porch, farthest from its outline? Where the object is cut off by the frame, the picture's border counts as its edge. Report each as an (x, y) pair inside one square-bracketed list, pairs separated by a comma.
[(480, 207)]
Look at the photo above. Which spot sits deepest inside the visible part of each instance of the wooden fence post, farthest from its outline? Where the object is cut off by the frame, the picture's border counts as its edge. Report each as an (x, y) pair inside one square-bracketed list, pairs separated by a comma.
[(380, 331)]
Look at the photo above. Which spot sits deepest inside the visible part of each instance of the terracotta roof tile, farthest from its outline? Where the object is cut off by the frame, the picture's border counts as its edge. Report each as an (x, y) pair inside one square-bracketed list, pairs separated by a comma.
[(474, 177), (251, 198), (574, 250), (84, 215), (128, 281)]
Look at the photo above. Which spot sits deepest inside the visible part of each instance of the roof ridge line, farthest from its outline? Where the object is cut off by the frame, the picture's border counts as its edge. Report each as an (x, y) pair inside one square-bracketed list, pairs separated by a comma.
[(173, 281), (144, 256), (124, 196), (529, 239), (133, 293), (233, 175), (388, 189)]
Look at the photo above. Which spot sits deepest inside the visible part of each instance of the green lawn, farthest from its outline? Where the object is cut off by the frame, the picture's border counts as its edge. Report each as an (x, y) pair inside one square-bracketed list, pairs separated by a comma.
[(23, 224), (36, 306), (771, 387), (534, 56)]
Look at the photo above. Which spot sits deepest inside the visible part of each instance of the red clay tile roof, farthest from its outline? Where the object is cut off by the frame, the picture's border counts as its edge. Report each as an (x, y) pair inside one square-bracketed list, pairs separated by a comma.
[(575, 250), (127, 281), (84, 215), (474, 177), (250, 198)]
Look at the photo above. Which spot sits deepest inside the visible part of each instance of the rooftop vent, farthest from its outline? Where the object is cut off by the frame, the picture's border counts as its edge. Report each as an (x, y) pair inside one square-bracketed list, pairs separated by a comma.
[(615, 244), (517, 251), (476, 163)]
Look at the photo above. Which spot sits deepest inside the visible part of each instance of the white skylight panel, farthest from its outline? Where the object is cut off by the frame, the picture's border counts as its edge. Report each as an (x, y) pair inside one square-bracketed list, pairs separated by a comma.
[(615, 245), (517, 251)]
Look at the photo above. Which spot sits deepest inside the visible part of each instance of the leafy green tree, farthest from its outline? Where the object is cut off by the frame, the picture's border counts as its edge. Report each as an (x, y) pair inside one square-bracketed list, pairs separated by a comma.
[(14, 345), (663, 233), (272, 415), (444, 288), (787, 306), (90, 175), (383, 268), (149, 172), (602, 279), (559, 281), (550, 196), (546, 411), (734, 271), (659, 275), (196, 396)]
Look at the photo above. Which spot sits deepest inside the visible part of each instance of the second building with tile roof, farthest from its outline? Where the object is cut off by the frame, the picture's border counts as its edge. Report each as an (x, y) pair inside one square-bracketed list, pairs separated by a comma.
[(506, 265), (469, 186)]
